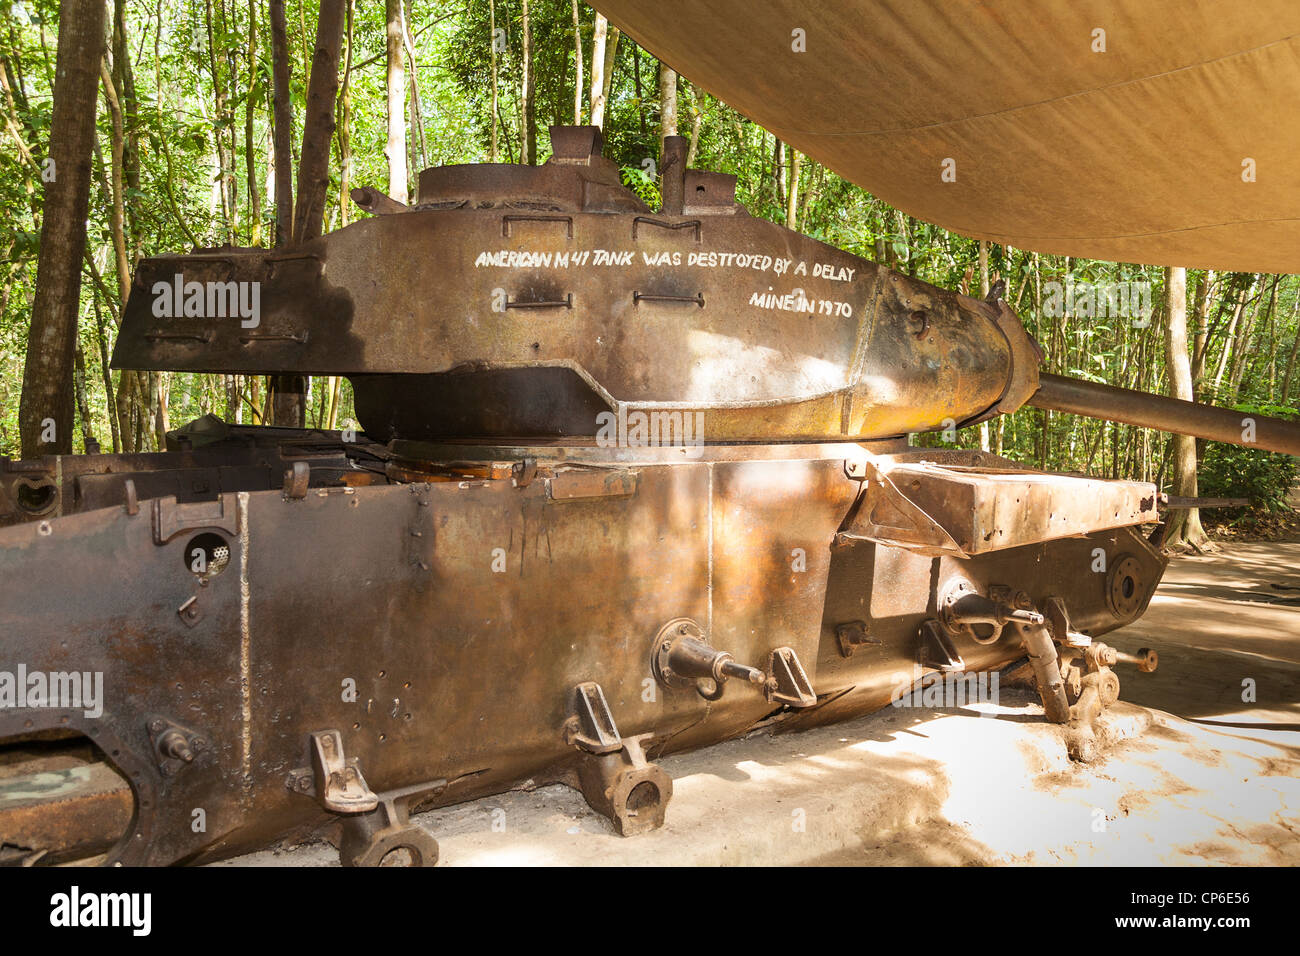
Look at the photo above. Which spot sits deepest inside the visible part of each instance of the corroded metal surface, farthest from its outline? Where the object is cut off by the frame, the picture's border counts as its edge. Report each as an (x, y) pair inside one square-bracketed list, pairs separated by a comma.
[(526, 301), (199, 463), (508, 578), (1167, 414), (421, 622), (916, 503)]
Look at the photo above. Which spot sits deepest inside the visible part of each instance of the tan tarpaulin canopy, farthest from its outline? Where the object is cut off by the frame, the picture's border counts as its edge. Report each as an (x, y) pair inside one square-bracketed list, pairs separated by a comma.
[(1135, 154)]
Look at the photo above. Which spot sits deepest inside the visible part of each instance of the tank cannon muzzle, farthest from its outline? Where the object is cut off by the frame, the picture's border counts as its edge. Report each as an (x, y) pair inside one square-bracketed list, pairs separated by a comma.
[(1107, 402)]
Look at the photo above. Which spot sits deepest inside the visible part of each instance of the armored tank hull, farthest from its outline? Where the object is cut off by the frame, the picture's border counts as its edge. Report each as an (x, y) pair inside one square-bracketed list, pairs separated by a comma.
[(493, 616), (651, 498)]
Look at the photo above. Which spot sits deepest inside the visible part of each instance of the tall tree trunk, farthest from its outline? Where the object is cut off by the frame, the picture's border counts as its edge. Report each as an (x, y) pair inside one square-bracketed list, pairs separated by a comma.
[(117, 218), (395, 146), (250, 153), (1230, 339), (413, 78), (283, 125), (792, 194), (124, 79), (333, 388), (1182, 528), (577, 66), (1290, 362), (598, 39), (288, 398), (778, 172), (492, 27), (611, 55), (1202, 330), (281, 73), (101, 339), (345, 125), (1242, 357), (640, 97), (667, 104), (47, 374), (528, 124), (159, 404), (984, 288), (83, 403), (318, 128), (697, 117), (225, 160)]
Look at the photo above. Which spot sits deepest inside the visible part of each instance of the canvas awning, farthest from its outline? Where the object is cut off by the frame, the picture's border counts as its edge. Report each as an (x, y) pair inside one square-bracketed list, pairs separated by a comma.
[(1134, 154)]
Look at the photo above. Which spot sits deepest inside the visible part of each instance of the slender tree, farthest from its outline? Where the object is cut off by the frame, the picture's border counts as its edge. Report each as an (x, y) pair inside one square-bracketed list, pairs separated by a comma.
[(577, 65), (45, 413), (667, 104), (318, 129), (250, 152), (283, 125), (395, 147), (792, 195), (527, 116), (1183, 528), (492, 27), (598, 71)]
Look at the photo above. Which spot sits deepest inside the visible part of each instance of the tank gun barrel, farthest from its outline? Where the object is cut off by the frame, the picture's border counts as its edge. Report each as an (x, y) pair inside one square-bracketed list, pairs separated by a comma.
[(1062, 394)]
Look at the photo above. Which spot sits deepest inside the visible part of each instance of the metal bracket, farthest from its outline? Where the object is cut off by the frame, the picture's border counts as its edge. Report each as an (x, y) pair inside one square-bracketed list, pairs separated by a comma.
[(592, 727), (296, 480), (614, 775), (1058, 621), (190, 613), (171, 518), (626, 787), (524, 472), (565, 303), (333, 779), (694, 224), (856, 468), (639, 297), (937, 649), (852, 635), (175, 746), (385, 836), (592, 483), (787, 683), (508, 221)]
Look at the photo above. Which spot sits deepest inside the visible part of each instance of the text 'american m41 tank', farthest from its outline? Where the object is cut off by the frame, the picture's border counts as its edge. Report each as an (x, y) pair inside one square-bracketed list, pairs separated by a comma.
[(630, 482)]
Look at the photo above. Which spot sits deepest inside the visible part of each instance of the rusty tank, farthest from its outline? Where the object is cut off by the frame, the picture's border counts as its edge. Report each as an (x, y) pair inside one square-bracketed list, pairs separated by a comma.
[(626, 482)]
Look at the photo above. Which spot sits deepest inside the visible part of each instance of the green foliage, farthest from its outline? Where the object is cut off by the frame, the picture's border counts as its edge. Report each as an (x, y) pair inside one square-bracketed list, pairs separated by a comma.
[(1228, 471), (1231, 471), (640, 181)]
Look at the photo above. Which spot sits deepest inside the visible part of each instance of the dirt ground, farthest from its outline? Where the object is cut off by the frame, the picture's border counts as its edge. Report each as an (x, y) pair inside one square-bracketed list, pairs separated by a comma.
[(1204, 767)]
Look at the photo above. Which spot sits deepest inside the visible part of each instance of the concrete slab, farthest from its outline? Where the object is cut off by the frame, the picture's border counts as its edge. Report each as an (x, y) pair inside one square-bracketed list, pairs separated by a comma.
[(1198, 772)]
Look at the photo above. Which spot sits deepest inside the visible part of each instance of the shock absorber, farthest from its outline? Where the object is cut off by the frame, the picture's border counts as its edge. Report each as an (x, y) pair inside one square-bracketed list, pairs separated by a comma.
[(962, 609), (1047, 671)]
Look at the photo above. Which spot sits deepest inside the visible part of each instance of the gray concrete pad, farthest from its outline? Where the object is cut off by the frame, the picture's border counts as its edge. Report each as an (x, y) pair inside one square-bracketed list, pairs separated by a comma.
[(1196, 771)]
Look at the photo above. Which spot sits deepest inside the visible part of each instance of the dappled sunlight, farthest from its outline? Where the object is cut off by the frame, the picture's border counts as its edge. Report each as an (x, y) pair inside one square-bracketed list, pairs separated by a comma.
[(735, 367)]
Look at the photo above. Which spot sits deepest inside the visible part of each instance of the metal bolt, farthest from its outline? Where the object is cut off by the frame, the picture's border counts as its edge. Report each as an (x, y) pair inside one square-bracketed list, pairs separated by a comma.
[(173, 744)]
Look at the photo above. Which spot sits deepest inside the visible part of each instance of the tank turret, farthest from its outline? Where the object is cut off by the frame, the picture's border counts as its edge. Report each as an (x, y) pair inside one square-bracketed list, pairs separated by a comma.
[(547, 302)]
